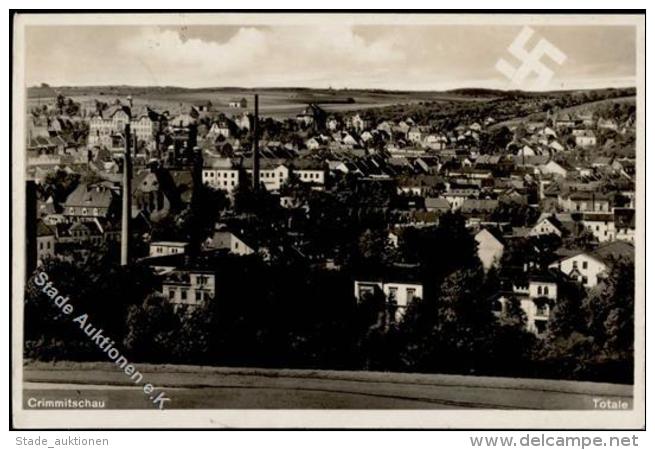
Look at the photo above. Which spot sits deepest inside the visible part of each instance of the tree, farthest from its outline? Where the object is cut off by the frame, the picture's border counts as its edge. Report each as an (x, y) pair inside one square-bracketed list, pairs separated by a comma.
[(610, 308), (374, 247)]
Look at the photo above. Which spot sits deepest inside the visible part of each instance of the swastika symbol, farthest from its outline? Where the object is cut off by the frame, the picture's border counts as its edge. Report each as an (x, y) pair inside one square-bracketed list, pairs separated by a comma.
[(531, 61)]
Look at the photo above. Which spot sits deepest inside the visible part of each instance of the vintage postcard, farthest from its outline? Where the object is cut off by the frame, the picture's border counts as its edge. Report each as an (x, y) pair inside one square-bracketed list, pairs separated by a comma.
[(328, 220)]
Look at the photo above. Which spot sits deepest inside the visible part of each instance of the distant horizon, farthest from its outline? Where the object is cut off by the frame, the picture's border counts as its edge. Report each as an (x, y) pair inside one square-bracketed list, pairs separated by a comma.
[(309, 88)]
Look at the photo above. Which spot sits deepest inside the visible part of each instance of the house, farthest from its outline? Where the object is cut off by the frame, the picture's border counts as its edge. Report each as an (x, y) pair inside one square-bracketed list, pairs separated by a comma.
[(332, 124), (163, 248), (536, 295), (419, 185), (526, 150), (414, 135), (624, 224), (243, 103), (398, 287), (90, 201), (242, 121), (312, 144), (564, 121), (273, 173), (357, 123), (220, 174), (235, 242), (584, 201), (475, 126), (221, 128), (366, 136), (608, 124), (188, 286), (601, 225), (77, 233), (602, 162), (154, 194), (435, 141), (309, 171), (553, 168), (101, 129), (437, 204), (457, 196), (586, 138), (490, 247), (589, 268), (478, 206), (45, 242), (546, 226), (429, 165), (547, 131), (556, 146)]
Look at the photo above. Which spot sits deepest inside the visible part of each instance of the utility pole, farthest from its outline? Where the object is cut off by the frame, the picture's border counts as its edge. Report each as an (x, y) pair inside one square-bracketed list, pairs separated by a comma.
[(255, 147), (127, 197)]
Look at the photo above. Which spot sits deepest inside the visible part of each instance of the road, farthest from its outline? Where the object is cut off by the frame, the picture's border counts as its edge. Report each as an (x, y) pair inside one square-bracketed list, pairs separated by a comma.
[(232, 388)]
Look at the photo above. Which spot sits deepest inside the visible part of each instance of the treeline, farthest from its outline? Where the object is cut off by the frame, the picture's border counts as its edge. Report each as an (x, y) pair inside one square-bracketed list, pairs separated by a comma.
[(300, 316)]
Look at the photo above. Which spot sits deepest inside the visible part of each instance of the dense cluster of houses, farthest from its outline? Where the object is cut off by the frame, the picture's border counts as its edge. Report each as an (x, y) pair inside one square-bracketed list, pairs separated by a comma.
[(428, 171)]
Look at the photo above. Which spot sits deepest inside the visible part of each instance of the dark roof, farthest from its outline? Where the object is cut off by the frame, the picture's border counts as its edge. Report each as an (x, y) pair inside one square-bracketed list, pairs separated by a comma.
[(97, 195), (613, 250), (43, 230)]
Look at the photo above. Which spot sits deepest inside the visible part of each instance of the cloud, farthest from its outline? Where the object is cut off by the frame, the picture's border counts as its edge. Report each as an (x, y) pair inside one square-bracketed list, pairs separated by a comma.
[(429, 57), (263, 55)]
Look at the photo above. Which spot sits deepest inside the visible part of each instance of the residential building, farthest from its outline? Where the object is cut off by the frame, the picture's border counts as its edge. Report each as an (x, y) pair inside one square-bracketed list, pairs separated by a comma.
[(163, 248), (188, 286), (92, 201), (490, 248)]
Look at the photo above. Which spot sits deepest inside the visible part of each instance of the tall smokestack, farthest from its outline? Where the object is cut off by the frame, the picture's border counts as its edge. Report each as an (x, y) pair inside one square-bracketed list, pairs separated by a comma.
[(127, 198), (255, 146)]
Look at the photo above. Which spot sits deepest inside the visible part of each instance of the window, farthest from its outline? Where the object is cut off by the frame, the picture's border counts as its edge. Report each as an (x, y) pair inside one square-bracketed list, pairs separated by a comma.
[(575, 265), (584, 280), (411, 292), (365, 290), (545, 290), (198, 296), (393, 293), (584, 264), (171, 293), (183, 295)]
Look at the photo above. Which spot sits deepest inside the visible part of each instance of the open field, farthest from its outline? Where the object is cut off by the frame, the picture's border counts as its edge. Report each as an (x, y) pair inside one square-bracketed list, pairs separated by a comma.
[(278, 103), (247, 388)]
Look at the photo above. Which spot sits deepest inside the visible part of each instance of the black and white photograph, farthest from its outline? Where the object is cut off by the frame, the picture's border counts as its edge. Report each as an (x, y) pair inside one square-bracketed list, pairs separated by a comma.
[(328, 220)]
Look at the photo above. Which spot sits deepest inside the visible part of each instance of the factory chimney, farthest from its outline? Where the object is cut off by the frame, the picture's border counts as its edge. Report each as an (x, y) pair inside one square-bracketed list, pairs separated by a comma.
[(255, 146), (127, 198)]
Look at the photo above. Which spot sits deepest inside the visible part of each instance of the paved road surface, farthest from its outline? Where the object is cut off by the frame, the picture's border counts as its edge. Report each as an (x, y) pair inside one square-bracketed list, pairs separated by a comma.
[(229, 388)]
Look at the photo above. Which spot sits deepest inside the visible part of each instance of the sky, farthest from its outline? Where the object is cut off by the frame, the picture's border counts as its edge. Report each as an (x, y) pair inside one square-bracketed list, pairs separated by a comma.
[(401, 57)]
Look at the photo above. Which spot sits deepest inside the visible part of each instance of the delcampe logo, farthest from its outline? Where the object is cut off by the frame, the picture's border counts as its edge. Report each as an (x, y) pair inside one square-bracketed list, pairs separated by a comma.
[(530, 61)]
